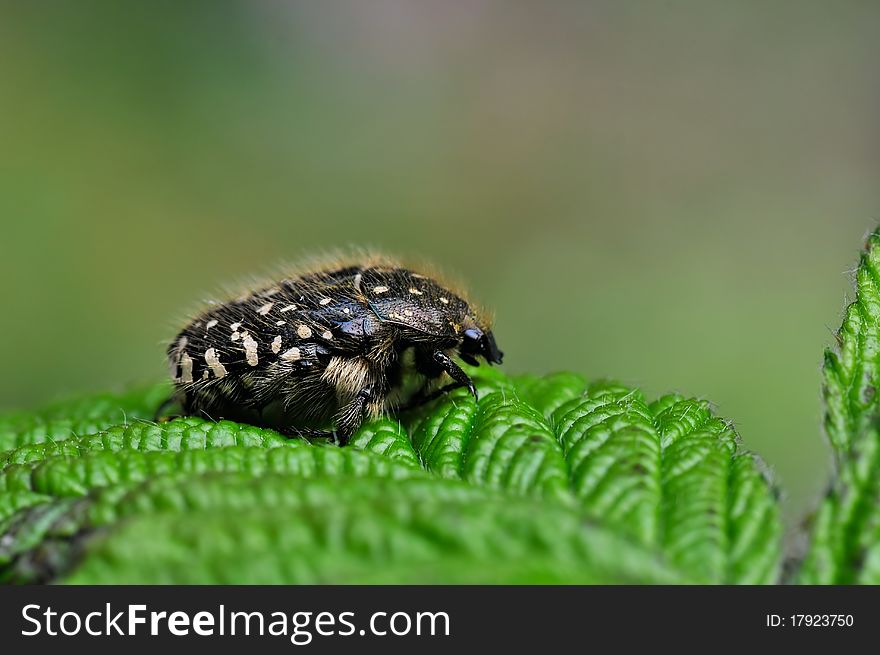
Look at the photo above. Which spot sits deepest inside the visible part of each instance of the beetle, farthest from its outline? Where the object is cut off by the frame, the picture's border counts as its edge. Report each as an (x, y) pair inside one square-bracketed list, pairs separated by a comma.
[(334, 343)]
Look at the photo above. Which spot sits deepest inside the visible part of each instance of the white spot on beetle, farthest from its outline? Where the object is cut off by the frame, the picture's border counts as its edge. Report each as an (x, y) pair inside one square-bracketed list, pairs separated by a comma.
[(276, 344), (213, 361), (291, 355), (210, 324), (415, 291), (445, 301), (186, 368), (234, 327), (357, 282), (380, 289), (327, 334), (325, 301), (265, 309), (205, 374), (346, 310), (235, 336), (289, 308), (250, 349), (279, 323), (304, 331), (407, 312)]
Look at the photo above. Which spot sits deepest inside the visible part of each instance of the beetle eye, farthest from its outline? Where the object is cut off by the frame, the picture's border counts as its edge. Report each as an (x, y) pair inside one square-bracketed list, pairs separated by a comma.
[(473, 334)]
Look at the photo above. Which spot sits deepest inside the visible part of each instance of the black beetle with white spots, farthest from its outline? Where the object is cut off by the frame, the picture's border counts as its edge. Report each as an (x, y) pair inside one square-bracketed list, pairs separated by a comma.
[(319, 353)]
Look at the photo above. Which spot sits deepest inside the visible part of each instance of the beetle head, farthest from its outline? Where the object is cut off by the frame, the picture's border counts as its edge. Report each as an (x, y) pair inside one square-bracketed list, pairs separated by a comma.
[(478, 343)]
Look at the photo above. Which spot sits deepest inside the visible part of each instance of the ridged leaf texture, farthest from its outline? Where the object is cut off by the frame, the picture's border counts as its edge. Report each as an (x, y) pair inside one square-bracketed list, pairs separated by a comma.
[(543, 480), (845, 541)]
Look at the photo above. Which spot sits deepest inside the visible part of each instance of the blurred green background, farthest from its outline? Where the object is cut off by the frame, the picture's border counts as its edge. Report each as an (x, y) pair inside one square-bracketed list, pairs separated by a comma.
[(669, 193)]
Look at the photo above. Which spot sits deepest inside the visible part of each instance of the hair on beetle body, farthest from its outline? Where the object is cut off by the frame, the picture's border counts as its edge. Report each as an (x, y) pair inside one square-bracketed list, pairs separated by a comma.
[(334, 342)]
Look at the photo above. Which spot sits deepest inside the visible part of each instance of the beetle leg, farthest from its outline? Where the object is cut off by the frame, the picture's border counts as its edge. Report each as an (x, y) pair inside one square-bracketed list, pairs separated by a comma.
[(455, 371), (352, 415), (308, 433)]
